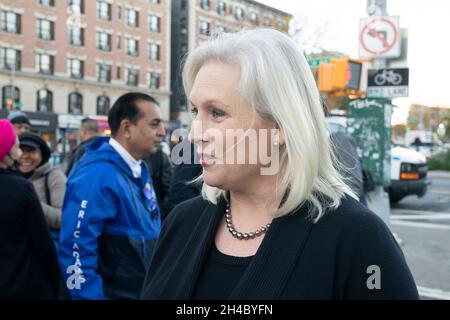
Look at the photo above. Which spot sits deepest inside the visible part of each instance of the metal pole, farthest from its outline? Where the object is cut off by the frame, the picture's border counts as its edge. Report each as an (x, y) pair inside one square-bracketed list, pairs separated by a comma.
[(379, 200), (13, 88)]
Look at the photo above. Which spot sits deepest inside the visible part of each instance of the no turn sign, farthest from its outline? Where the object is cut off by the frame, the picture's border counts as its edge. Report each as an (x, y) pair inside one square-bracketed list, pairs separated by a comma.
[(379, 37)]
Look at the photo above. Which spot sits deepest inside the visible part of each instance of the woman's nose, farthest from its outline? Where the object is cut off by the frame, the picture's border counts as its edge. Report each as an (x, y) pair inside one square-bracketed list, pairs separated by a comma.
[(196, 132)]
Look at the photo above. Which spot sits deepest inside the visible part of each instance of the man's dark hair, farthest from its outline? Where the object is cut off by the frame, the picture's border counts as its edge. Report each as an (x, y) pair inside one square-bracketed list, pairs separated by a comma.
[(89, 125), (126, 108)]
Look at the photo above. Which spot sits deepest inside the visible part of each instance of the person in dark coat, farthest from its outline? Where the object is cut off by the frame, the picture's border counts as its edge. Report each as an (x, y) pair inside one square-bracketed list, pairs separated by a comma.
[(88, 133), (28, 262), (20, 121), (160, 170), (344, 147), (276, 220), (181, 186)]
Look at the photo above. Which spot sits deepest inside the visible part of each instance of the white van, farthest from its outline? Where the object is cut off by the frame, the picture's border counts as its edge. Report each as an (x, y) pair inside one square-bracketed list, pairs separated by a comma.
[(408, 168)]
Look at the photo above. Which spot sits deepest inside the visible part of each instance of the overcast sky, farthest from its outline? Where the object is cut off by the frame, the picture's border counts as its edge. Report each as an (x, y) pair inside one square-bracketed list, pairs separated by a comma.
[(336, 23)]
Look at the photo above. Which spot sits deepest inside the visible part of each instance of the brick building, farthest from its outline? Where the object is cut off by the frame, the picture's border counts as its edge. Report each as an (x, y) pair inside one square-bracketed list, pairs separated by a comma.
[(194, 20), (75, 57)]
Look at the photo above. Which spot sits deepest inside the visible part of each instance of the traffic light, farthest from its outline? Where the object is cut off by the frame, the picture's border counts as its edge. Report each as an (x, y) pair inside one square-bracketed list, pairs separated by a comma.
[(9, 103), (17, 105), (326, 71), (339, 74), (354, 69)]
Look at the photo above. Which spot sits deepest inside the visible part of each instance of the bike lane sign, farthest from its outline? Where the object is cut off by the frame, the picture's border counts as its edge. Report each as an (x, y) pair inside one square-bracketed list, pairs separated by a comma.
[(379, 37), (388, 83)]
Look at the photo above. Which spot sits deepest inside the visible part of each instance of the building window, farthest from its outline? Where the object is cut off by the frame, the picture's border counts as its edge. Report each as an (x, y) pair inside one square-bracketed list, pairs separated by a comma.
[(76, 6), (48, 3), (154, 23), (132, 77), (254, 17), (76, 68), (75, 103), (103, 10), (118, 41), (10, 59), (204, 28), (103, 72), (239, 13), (7, 94), (153, 51), (45, 63), (44, 100), (154, 1), (132, 47), (103, 41), (119, 12), (154, 80), (102, 105), (221, 28), (118, 72), (131, 18), (76, 36), (204, 4), (221, 8), (10, 22), (45, 29), (280, 25)]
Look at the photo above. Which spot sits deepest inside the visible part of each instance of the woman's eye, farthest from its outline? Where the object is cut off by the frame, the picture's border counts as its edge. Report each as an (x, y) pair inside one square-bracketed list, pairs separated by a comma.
[(194, 111), (217, 113)]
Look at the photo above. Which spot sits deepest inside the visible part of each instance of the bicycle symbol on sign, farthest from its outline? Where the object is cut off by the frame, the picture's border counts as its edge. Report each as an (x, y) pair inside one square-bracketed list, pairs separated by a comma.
[(388, 77)]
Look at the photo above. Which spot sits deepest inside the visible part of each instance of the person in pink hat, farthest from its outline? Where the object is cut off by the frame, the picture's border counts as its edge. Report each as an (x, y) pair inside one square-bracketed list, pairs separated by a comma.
[(9, 145), (30, 268)]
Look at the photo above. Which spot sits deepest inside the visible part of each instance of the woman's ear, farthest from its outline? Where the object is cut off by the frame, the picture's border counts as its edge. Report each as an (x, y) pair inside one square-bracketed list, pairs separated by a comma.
[(282, 137), (280, 133)]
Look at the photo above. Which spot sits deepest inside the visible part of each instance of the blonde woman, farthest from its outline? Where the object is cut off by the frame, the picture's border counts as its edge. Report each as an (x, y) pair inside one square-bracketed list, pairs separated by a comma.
[(283, 226)]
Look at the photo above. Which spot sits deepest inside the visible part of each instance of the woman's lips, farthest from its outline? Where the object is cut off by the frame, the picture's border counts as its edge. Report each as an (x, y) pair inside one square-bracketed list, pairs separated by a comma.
[(207, 160)]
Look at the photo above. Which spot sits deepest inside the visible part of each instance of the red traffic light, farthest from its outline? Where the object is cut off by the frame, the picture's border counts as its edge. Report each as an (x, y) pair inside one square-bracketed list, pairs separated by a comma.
[(9, 103)]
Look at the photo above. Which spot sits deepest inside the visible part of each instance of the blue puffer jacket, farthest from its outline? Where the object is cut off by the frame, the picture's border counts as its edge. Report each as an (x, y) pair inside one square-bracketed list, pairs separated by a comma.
[(110, 221)]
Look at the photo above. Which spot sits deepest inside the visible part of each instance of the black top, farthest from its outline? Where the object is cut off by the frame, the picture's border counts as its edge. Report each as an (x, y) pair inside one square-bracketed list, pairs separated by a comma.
[(160, 170), (349, 254), (29, 267), (77, 153), (220, 275)]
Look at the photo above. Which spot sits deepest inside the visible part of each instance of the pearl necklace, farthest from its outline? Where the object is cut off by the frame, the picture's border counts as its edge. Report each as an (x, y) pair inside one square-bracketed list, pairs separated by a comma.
[(242, 235)]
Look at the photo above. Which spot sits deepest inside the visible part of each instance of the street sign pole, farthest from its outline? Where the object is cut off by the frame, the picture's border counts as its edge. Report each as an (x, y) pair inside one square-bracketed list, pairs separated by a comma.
[(378, 200)]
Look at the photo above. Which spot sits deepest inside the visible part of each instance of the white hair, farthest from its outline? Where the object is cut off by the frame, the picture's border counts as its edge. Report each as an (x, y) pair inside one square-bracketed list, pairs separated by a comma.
[(277, 83)]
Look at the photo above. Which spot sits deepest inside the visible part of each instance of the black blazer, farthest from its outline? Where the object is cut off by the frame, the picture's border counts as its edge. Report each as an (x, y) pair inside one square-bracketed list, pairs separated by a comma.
[(297, 259), (29, 267)]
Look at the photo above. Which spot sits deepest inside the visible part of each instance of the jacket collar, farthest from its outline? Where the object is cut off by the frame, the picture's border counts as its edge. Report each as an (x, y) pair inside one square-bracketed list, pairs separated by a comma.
[(101, 151), (284, 241), (41, 171)]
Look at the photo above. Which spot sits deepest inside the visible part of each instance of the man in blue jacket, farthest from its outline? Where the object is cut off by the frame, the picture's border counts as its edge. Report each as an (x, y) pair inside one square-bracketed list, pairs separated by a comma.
[(110, 215)]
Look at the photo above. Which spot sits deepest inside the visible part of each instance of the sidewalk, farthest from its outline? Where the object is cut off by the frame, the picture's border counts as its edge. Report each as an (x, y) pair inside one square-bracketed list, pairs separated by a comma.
[(438, 174)]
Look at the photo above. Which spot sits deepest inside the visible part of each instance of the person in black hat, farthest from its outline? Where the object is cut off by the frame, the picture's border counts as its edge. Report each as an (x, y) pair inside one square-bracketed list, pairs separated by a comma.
[(49, 182), (20, 121)]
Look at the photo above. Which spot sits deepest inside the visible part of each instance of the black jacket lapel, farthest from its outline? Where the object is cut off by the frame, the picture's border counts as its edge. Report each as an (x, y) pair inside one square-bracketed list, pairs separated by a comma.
[(269, 270), (200, 244)]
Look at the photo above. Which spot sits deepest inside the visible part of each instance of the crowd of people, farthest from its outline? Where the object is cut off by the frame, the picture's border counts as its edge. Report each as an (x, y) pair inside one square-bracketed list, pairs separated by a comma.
[(123, 222)]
